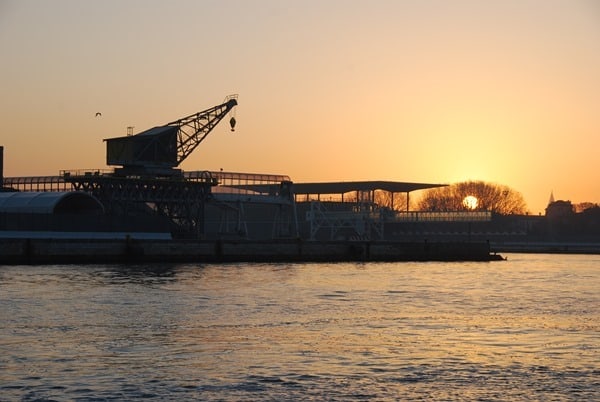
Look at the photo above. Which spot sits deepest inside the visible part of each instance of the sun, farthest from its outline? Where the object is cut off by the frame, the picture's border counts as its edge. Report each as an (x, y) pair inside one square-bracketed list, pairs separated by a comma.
[(470, 202)]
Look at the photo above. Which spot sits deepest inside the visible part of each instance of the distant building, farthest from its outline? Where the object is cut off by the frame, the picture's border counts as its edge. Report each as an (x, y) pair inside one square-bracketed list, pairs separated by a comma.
[(559, 211)]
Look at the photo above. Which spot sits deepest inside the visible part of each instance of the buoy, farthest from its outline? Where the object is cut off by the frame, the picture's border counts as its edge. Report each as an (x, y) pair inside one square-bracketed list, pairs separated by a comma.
[(232, 123)]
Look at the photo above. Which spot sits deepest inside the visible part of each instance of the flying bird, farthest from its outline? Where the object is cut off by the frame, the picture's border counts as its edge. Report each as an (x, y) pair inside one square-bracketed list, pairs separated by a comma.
[(98, 114)]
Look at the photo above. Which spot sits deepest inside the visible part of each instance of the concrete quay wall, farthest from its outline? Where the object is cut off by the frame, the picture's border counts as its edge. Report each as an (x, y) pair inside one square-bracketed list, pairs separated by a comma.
[(48, 251), (547, 247)]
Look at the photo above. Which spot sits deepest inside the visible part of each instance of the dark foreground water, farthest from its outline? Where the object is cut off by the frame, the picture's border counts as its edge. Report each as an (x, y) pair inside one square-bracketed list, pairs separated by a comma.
[(523, 329)]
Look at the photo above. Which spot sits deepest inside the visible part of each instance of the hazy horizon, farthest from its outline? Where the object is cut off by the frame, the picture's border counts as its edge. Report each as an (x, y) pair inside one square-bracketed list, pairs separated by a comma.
[(414, 91)]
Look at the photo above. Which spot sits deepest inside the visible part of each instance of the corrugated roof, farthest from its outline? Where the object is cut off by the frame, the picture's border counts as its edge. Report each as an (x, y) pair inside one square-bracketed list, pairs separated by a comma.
[(154, 131), (158, 130), (49, 202)]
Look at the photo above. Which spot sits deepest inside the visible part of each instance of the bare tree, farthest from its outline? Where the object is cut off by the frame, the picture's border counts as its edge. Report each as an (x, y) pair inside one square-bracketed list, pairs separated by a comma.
[(395, 201), (490, 197), (582, 206)]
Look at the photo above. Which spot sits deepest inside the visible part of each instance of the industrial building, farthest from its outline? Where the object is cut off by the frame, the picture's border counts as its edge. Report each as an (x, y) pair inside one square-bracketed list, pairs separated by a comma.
[(146, 195)]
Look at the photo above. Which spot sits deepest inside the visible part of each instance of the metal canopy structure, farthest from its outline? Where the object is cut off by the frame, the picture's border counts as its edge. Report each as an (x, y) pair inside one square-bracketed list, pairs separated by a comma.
[(365, 218), (365, 190), (342, 187)]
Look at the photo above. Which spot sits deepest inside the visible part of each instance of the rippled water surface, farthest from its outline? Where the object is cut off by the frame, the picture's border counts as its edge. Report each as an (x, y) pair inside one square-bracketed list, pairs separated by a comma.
[(526, 328)]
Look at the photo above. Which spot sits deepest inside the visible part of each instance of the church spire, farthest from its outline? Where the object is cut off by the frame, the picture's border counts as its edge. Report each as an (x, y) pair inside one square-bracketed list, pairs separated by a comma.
[(551, 200)]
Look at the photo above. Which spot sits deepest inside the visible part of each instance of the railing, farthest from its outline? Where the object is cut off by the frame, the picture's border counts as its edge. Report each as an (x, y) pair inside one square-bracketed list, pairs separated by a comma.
[(240, 183), (340, 215), (456, 216), (232, 182), (38, 183), (364, 223), (85, 172)]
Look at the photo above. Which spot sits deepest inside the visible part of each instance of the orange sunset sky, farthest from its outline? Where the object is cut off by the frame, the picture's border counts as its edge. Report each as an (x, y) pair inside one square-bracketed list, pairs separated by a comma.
[(421, 91)]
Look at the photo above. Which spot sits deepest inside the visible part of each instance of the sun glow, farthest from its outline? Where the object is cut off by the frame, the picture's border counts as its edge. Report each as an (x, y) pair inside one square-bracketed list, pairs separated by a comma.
[(470, 202)]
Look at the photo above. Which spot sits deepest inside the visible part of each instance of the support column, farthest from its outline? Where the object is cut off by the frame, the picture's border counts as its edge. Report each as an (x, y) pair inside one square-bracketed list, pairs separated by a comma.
[(1, 167)]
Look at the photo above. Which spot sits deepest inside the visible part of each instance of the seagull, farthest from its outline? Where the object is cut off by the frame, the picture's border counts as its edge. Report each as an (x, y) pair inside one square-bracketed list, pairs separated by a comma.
[(98, 114)]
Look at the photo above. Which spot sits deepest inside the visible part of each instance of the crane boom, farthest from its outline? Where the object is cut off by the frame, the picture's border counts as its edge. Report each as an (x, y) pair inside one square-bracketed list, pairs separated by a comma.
[(193, 129), (159, 150)]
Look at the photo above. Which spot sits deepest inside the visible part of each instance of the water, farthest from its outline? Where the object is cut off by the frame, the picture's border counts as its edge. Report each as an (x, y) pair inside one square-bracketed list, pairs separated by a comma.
[(523, 329)]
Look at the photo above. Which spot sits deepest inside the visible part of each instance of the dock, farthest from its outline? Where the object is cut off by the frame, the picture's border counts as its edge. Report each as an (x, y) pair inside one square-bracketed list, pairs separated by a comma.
[(65, 251)]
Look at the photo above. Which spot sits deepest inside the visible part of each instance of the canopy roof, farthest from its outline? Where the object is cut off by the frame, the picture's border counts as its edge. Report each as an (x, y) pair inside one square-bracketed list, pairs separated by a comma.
[(342, 187)]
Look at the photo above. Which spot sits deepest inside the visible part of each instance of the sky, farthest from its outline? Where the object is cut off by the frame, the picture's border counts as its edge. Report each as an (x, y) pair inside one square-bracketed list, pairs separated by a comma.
[(431, 91)]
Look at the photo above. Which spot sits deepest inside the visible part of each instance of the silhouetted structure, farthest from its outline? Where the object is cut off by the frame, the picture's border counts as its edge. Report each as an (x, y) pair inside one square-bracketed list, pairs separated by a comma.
[(148, 193)]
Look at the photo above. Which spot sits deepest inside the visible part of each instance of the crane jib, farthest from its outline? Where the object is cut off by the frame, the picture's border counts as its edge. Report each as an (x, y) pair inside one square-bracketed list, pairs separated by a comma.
[(159, 150)]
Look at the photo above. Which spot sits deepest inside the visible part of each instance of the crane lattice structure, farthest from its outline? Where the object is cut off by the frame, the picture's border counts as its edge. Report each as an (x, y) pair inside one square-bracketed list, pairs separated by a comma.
[(148, 178), (158, 151)]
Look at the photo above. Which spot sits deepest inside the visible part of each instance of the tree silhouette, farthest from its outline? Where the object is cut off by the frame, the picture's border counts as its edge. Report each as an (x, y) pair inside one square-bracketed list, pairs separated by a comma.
[(496, 198), (396, 202), (583, 206)]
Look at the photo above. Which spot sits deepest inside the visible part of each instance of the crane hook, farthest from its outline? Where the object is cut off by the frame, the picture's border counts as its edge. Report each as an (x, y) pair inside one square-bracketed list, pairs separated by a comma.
[(232, 123)]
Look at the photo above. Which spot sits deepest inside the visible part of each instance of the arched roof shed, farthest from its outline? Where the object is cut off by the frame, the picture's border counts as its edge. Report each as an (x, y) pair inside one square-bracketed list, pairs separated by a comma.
[(50, 202)]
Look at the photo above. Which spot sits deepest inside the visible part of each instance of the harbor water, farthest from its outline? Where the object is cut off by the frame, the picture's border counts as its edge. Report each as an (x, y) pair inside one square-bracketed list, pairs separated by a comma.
[(523, 329)]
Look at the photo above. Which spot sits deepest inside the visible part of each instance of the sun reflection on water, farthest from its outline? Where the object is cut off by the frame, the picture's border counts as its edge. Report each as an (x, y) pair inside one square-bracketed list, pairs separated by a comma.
[(311, 331)]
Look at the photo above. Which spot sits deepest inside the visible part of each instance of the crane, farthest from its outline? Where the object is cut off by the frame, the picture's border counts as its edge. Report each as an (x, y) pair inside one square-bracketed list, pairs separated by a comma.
[(159, 150)]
